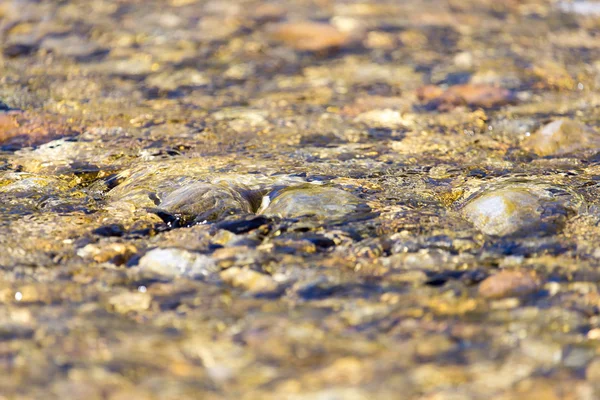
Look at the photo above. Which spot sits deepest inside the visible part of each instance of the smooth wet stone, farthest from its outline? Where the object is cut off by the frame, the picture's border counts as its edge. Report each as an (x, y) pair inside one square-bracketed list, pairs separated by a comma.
[(172, 263), (309, 36), (205, 202), (70, 46), (386, 118), (173, 80), (592, 371), (312, 200), (562, 136), (509, 283), (130, 301), (116, 253), (474, 95), (18, 182), (517, 209), (248, 279)]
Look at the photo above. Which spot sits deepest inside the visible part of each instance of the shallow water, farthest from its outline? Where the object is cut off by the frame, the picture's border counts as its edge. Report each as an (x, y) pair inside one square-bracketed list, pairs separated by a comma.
[(299, 200)]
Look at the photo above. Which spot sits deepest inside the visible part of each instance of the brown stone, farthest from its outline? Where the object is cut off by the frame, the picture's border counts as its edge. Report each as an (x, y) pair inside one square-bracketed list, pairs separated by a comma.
[(484, 96), (248, 279), (509, 283), (309, 36), (23, 129), (562, 136)]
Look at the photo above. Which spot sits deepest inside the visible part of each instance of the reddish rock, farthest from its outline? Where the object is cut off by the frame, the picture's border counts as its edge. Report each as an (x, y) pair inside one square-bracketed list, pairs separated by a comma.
[(19, 129), (509, 284), (8, 126), (484, 96), (429, 92), (309, 36)]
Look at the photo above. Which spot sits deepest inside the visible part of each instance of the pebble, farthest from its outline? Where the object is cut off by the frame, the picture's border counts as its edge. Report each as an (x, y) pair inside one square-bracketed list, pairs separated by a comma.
[(173, 80), (516, 209), (130, 301), (509, 283), (592, 373), (8, 125), (543, 351), (70, 46), (200, 202), (116, 253), (246, 278), (309, 36), (385, 118), (473, 95), (312, 200), (170, 263), (562, 136)]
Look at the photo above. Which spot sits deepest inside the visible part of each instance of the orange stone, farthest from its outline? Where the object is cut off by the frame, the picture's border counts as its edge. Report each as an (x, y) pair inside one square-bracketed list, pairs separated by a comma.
[(509, 284), (309, 36)]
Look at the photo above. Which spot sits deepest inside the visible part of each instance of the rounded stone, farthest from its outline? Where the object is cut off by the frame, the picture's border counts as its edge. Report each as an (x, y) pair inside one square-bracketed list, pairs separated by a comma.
[(562, 136), (205, 202), (309, 36), (312, 200), (518, 209), (508, 284), (169, 263), (130, 301)]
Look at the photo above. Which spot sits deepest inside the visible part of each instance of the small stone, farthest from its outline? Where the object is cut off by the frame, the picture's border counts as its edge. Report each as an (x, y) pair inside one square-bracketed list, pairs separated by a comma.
[(464, 60), (173, 80), (429, 92), (266, 12), (20, 129), (348, 370), (509, 283), (551, 75), (248, 279), (473, 95), (171, 263), (309, 36), (312, 200), (481, 95), (201, 202), (116, 253), (546, 352), (385, 118), (592, 372), (414, 277), (516, 209), (71, 46), (8, 124), (562, 136), (433, 346), (130, 301)]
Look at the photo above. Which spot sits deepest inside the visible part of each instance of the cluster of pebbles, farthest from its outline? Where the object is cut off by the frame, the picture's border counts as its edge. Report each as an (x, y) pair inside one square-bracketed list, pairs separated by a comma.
[(310, 200)]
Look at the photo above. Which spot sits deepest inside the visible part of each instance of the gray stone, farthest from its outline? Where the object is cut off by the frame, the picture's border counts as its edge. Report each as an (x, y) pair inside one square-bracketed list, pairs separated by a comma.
[(171, 263)]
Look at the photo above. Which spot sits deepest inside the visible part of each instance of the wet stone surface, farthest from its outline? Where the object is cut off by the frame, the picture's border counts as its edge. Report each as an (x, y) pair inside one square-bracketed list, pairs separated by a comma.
[(520, 208), (299, 200)]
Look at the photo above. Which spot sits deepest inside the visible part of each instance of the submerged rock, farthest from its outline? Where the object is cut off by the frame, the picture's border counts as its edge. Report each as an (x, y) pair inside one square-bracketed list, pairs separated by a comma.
[(172, 263), (518, 209), (309, 36), (71, 46), (130, 302), (311, 200), (562, 136), (201, 201), (248, 279), (509, 283), (473, 95)]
